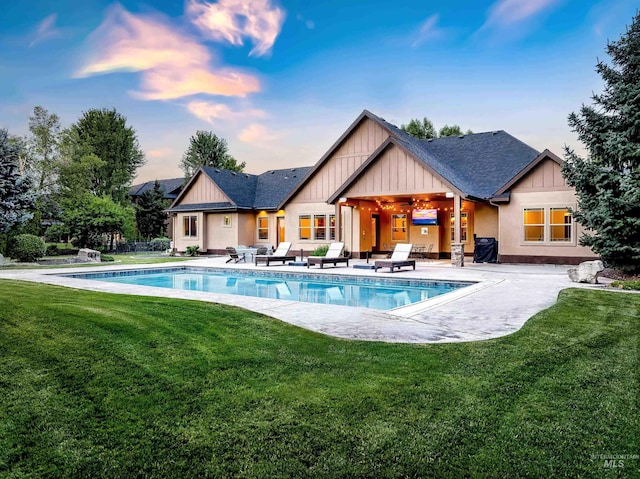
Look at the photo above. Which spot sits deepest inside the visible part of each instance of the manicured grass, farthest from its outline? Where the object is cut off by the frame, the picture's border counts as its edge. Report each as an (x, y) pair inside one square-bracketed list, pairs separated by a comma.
[(117, 259), (99, 385)]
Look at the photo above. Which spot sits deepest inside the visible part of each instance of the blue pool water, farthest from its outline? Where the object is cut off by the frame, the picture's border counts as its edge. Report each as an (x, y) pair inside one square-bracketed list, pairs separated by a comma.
[(367, 292)]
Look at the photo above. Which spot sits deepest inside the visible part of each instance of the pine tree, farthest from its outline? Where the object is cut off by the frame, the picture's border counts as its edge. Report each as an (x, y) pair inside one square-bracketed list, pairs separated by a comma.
[(607, 183), (150, 214), (16, 201)]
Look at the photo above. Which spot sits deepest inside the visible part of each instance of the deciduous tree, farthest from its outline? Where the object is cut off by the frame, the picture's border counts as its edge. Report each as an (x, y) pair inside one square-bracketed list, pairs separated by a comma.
[(207, 149), (607, 182)]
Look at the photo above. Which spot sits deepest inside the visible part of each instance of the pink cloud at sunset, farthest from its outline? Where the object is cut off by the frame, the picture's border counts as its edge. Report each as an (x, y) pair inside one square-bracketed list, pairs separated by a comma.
[(256, 134), (172, 64), (231, 20), (209, 111)]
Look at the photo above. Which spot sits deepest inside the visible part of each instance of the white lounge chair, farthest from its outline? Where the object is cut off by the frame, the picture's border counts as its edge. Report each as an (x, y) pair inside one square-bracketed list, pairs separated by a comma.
[(333, 256), (399, 258), (280, 254)]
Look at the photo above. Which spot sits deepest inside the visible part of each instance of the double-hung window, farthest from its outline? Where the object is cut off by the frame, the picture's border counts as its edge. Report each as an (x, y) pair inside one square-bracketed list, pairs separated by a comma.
[(398, 227), (190, 226), (263, 227), (317, 227), (304, 227), (547, 225)]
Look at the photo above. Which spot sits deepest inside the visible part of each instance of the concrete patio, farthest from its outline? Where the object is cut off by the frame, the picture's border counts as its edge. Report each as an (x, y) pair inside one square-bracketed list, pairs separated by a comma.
[(505, 296)]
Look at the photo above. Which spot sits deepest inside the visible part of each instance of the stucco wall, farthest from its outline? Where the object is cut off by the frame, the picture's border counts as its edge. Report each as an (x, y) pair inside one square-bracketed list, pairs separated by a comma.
[(180, 242), (512, 229)]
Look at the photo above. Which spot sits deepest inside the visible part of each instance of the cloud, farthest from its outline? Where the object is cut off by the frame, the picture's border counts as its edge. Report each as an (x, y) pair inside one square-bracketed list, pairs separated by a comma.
[(160, 152), (510, 12), (209, 111), (233, 20), (257, 135), (172, 64), (310, 24), (428, 30), (46, 30)]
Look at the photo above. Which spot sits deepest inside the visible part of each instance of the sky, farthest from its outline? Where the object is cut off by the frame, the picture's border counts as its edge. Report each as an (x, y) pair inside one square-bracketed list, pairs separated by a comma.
[(282, 80)]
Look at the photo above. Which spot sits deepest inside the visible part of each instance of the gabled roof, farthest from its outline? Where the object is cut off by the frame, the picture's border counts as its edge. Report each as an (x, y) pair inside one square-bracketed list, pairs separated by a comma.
[(170, 187), (477, 165), (546, 154), (244, 190)]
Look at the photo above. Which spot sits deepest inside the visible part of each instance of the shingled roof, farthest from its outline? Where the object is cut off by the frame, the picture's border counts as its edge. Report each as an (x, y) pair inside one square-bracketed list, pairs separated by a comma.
[(170, 187), (478, 164), (247, 191)]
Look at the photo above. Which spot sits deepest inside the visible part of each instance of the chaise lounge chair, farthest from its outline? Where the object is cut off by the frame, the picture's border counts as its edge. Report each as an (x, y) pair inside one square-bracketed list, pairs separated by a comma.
[(280, 254), (399, 258), (235, 256), (333, 256)]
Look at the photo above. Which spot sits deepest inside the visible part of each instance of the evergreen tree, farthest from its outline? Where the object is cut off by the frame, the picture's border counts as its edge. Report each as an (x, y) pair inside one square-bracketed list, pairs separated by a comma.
[(607, 182), (16, 201), (207, 149), (150, 214)]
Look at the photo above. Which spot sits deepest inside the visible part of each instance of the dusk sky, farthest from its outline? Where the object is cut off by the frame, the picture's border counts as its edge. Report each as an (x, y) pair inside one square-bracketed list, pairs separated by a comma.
[(282, 80)]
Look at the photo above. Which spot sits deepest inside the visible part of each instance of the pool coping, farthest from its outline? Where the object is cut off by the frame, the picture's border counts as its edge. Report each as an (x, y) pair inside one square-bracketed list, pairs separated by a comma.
[(498, 304)]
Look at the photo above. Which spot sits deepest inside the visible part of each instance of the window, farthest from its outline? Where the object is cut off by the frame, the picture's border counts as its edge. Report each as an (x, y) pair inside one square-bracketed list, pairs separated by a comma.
[(534, 224), (226, 221), (464, 227), (263, 227), (560, 222), (398, 227), (190, 226), (548, 225), (320, 227), (332, 227), (304, 225), (317, 227)]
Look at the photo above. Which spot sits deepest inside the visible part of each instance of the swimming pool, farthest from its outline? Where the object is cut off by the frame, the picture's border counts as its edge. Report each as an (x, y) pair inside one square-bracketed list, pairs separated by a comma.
[(366, 292)]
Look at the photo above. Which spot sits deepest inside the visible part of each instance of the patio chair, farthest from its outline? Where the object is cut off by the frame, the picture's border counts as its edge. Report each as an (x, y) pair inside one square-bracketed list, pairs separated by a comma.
[(261, 250), (235, 256), (399, 258), (280, 254), (333, 256)]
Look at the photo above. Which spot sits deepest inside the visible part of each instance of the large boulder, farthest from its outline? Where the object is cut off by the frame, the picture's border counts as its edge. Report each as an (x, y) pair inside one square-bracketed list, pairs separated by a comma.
[(89, 255), (586, 272)]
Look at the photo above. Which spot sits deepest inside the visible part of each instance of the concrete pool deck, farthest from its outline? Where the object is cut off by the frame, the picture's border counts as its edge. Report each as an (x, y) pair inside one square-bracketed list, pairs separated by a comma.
[(504, 298)]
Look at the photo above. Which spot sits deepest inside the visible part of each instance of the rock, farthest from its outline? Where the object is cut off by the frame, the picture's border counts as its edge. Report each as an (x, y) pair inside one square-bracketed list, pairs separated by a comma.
[(89, 255), (586, 272)]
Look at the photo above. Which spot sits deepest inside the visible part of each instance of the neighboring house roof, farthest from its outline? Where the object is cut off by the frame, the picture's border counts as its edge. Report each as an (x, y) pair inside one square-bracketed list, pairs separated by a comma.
[(246, 191), (171, 187)]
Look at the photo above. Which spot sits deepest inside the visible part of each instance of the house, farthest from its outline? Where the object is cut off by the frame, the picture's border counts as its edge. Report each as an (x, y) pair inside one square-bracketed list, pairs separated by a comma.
[(376, 186), (170, 189)]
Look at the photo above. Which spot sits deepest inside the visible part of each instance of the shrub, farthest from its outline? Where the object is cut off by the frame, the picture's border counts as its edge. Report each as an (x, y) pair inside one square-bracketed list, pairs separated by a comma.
[(105, 258), (160, 244), (320, 250), (192, 250), (631, 284), (27, 248), (55, 233), (52, 250)]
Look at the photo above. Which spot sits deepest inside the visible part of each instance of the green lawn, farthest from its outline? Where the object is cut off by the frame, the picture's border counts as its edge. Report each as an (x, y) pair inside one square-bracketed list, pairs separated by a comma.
[(119, 259), (98, 385)]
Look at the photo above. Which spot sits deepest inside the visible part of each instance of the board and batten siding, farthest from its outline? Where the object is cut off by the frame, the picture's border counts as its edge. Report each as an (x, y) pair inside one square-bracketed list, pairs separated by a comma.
[(395, 172), (347, 158), (545, 176), (203, 190)]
